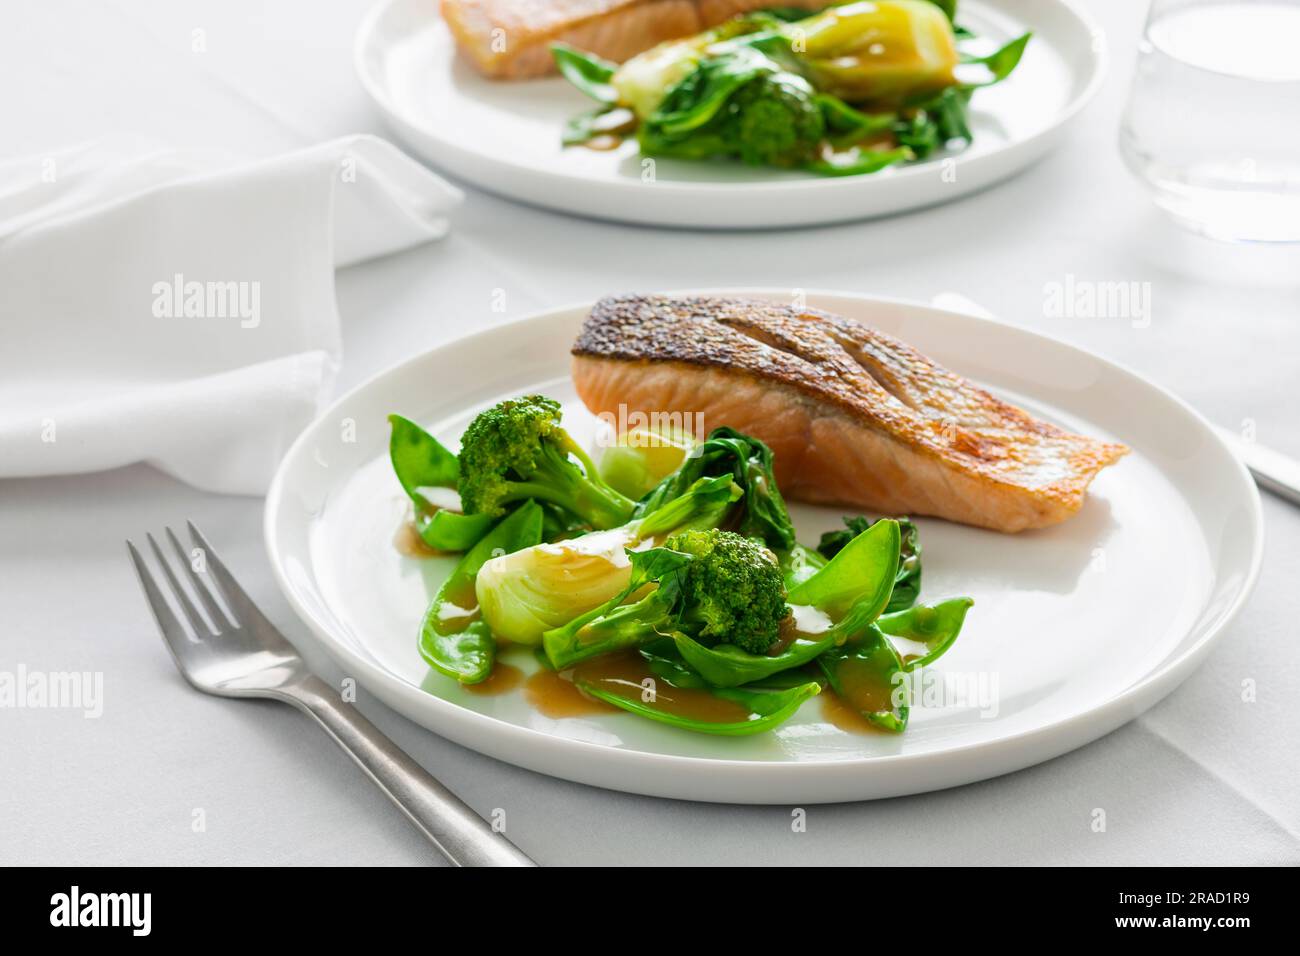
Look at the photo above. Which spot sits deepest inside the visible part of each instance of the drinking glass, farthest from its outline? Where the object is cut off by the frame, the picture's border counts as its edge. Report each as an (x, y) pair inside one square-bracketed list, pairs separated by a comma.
[(1213, 119)]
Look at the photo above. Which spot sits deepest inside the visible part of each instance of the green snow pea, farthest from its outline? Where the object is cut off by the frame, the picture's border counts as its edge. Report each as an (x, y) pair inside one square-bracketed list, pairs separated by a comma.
[(924, 632), (452, 639), (798, 564), (907, 584), (868, 676), (421, 461), (467, 655), (731, 712), (451, 531), (854, 573)]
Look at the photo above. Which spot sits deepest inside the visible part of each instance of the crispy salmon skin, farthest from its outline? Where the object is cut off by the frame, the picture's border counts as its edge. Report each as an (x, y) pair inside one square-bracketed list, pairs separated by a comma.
[(855, 417)]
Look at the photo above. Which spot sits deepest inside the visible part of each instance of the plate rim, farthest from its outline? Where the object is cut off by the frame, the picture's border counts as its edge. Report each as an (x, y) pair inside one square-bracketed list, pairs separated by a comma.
[(1094, 722), (367, 32)]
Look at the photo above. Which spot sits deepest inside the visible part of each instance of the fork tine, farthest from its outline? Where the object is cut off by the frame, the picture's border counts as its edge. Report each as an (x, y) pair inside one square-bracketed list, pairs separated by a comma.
[(216, 615), (240, 604), (173, 630), (201, 627)]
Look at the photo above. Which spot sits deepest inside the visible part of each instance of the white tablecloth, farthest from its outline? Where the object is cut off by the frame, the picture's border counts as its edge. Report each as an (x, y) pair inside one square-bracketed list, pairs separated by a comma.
[(1204, 777)]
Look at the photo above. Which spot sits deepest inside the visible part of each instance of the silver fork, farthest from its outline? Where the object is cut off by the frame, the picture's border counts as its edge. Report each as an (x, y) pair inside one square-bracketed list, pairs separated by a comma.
[(237, 652)]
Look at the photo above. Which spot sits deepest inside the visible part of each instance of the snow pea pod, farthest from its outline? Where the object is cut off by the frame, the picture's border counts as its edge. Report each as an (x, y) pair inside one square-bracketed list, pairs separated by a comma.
[(729, 666), (798, 564), (467, 655), (907, 584), (730, 712), (868, 676), (452, 639), (420, 461), (451, 531), (861, 568), (921, 634), (726, 665)]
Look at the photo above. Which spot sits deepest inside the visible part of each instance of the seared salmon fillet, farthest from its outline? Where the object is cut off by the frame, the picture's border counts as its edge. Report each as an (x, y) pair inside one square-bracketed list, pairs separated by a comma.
[(511, 39), (855, 417)]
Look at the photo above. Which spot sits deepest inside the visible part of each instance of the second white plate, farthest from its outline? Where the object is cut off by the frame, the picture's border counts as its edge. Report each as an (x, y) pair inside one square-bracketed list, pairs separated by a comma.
[(505, 136), (1075, 630)]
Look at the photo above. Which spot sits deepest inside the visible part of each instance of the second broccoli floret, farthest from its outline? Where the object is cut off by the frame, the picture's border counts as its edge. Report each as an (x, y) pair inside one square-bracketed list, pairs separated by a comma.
[(733, 592), (715, 585), (517, 449)]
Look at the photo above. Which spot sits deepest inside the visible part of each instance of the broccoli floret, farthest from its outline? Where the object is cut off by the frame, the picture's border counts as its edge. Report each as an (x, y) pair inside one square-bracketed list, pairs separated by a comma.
[(718, 586), (733, 592), (775, 122), (517, 450)]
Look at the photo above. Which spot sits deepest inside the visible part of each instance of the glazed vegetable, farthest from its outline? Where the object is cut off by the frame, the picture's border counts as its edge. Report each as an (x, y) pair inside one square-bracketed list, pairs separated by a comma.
[(921, 634), (907, 588), (731, 712), (833, 607), (884, 53), (613, 625), (640, 458), (699, 610), (719, 586), (850, 90), (867, 675), (748, 462), (421, 463), (530, 591), (838, 586), (518, 450), (452, 639), (657, 683), (737, 104), (732, 592), (419, 460)]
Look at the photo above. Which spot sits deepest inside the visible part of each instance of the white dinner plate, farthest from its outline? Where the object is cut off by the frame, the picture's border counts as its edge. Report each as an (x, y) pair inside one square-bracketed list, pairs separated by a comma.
[(1075, 629), (505, 136)]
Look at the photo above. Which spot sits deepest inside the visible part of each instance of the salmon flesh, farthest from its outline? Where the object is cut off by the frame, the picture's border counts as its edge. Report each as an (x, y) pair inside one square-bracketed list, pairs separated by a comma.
[(855, 417), (511, 39)]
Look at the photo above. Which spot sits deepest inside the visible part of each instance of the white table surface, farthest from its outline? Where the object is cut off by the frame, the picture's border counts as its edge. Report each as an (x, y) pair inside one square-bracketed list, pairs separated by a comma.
[(1204, 777)]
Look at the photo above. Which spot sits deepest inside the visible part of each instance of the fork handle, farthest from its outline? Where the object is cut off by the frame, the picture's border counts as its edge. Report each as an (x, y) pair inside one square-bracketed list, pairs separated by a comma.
[(451, 825)]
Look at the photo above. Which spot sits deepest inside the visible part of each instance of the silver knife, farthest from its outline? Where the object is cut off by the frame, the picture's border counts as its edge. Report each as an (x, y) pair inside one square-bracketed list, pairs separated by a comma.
[(1273, 470)]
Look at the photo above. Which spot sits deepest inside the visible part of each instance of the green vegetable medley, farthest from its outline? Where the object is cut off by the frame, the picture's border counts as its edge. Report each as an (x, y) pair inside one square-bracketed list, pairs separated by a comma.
[(691, 604), (852, 89)]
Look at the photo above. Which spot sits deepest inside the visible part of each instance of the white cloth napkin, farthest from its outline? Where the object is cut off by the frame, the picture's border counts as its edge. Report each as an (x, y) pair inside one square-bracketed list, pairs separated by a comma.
[(167, 308)]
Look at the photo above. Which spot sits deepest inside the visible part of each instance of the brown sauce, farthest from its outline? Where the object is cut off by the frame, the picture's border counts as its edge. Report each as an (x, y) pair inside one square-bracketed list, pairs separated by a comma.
[(459, 609), (503, 679), (557, 697), (624, 675), (604, 142), (785, 636), (862, 684), (610, 129), (838, 713), (407, 541)]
